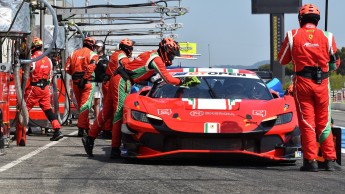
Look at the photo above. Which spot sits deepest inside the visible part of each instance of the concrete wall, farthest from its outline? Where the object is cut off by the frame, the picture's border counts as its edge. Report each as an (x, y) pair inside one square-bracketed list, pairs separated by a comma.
[(338, 106)]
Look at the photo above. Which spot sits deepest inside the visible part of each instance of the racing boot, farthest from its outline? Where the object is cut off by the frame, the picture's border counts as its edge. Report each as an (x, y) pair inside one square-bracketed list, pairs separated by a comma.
[(56, 135), (106, 134), (331, 165), (88, 143), (115, 153), (309, 165), (87, 131), (81, 132)]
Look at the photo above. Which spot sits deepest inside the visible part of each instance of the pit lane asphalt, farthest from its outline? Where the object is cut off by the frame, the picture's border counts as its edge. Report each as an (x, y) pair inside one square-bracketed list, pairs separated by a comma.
[(63, 167)]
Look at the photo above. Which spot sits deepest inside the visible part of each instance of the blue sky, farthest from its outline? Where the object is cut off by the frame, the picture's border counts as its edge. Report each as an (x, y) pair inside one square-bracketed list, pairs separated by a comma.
[(235, 35)]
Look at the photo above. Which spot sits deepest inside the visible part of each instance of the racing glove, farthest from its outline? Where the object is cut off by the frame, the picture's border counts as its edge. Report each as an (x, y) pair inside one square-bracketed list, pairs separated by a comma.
[(81, 84), (106, 78), (156, 78), (189, 81), (332, 60)]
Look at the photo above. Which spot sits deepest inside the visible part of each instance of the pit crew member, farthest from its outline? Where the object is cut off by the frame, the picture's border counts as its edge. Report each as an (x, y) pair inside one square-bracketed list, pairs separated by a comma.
[(313, 54), (38, 91), (81, 65)]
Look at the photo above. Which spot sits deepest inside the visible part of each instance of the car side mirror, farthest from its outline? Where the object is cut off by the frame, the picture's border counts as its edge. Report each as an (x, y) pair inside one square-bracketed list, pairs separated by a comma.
[(274, 94)]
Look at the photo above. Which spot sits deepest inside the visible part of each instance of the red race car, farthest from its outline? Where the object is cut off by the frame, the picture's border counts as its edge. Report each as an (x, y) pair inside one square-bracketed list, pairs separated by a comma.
[(230, 113)]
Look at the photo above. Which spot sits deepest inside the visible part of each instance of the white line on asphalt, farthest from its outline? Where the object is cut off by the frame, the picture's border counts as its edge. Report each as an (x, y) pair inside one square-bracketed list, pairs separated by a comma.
[(33, 153)]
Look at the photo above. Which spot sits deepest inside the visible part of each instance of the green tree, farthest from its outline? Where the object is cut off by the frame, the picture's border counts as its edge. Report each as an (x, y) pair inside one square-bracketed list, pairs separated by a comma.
[(288, 69), (265, 67), (337, 81)]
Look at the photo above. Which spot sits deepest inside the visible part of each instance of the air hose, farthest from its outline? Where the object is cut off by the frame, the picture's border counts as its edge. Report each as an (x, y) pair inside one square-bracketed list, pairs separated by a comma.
[(24, 116)]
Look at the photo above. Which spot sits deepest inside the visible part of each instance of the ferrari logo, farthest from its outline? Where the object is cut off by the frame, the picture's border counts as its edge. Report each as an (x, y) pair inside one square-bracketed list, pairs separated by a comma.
[(310, 36)]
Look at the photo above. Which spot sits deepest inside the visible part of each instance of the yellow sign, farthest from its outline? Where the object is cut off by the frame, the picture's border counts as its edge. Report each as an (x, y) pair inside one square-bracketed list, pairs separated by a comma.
[(275, 38), (187, 48)]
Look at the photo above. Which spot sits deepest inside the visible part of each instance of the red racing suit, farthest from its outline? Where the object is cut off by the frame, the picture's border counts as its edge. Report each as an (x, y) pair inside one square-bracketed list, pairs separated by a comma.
[(105, 88), (81, 65), (38, 90), (309, 49), (141, 68), (105, 117)]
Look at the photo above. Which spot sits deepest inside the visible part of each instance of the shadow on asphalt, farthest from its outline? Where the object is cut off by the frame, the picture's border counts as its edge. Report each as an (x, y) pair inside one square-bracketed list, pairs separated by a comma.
[(211, 162), (102, 156)]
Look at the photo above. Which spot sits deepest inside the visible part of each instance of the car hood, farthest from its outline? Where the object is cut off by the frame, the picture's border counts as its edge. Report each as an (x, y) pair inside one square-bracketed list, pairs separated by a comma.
[(196, 114)]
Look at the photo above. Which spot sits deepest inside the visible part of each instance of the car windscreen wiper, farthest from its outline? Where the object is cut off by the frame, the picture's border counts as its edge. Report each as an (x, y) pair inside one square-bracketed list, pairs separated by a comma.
[(210, 90)]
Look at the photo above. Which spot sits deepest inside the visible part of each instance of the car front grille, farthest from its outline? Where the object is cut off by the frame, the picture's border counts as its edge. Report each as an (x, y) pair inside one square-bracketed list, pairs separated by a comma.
[(163, 142)]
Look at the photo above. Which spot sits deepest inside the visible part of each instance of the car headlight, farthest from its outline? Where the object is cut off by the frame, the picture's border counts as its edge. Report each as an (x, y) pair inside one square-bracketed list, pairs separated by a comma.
[(284, 118), (276, 120), (139, 116)]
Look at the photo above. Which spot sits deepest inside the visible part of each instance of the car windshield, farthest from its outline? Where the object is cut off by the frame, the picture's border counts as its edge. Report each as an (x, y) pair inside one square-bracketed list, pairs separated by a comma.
[(216, 87)]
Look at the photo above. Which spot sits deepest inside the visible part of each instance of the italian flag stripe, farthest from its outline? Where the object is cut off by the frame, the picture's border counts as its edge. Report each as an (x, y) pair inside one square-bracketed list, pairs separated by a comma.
[(211, 128)]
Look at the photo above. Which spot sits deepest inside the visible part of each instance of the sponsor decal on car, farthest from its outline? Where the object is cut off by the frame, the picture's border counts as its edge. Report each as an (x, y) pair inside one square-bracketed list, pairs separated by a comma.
[(212, 104), (298, 154), (196, 113), (164, 111), (219, 114), (230, 74), (259, 113), (211, 127)]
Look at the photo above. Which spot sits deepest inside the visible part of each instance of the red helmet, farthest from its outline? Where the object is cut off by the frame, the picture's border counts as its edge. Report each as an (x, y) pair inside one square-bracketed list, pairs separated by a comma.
[(89, 42), (309, 12), (168, 49), (309, 9), (127, 46)]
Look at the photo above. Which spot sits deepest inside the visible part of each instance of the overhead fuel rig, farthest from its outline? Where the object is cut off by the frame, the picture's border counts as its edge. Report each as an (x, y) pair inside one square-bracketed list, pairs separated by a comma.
[(145, 23)]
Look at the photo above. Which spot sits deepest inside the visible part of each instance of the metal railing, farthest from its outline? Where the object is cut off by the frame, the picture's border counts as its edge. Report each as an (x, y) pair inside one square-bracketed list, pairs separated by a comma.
[(338, 96)]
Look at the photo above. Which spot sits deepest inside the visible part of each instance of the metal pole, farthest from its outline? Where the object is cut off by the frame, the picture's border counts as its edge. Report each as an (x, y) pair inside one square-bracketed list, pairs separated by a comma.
[(8, 51), (209, 56), (326, 15), (42, 24)]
